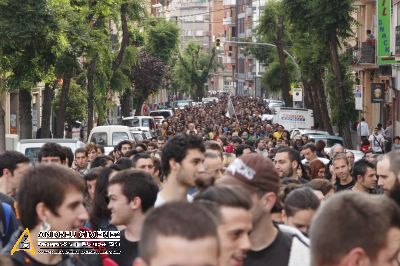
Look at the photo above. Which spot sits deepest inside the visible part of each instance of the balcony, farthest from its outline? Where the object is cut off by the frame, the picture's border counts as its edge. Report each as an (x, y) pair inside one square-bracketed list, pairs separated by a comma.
[(229, 2), (227, 21), (363, 56)]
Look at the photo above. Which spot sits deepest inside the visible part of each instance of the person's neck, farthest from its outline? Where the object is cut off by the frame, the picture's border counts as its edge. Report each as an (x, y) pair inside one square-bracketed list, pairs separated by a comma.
[(359, 188), (3, 185), (40, 257), (173, 190), (263, 234), (346, 180), (134, 228)]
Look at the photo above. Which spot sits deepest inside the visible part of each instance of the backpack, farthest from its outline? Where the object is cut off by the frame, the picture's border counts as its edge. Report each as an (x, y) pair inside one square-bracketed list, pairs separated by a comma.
[(5, 218)]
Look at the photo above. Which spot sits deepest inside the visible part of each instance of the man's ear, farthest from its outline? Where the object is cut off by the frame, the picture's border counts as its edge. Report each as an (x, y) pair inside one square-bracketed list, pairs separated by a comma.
[(173, 165), (6, 172), (139, 262), (356, 256), (268, 201)]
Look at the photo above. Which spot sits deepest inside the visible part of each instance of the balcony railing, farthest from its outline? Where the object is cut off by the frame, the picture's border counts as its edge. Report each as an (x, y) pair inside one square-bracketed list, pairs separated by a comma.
[(364, 55)]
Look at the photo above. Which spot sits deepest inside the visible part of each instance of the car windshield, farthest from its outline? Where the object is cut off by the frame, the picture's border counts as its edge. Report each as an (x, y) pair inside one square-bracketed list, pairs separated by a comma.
[(117, 137), (137, 136), (164, 114), (131, 122)]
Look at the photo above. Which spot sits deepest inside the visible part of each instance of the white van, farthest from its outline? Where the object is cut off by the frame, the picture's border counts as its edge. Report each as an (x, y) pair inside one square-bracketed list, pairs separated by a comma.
[(110, 136), (31, 147), (292, 118), (140, 121)]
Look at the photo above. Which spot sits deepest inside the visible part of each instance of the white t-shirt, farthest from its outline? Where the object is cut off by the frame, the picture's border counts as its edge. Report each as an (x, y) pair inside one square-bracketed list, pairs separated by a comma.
[(160, 200), (323, 160), (377, 142), (363, 129)]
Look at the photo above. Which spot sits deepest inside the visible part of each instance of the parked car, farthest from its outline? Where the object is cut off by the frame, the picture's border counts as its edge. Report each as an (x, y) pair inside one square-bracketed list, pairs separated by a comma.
[(144, 130), (300, 131), (110, 136), (330, 140), (140, 121), (137, 135), (272, 104), (164, 113), (181, 104), (31, 147)]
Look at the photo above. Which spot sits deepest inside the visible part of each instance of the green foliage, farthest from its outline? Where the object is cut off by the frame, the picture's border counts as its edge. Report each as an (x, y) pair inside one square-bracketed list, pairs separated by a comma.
[(76, 104), (323, 16), (349, 113), (270, 80), (192, 69), (162, 39)]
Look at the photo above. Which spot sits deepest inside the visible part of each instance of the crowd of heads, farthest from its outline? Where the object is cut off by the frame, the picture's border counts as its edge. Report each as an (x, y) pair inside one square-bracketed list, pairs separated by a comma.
[(230, 196)]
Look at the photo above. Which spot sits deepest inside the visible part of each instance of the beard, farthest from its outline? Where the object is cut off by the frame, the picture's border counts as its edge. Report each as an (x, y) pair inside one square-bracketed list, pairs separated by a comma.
[(394, 193)]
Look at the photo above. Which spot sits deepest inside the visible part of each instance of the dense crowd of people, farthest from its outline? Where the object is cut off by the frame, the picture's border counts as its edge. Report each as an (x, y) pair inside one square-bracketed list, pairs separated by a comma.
[(208, 190)]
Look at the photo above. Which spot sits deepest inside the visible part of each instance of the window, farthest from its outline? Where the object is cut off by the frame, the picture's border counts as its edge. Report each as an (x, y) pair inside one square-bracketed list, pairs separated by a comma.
[(99, 138), (117, 137)]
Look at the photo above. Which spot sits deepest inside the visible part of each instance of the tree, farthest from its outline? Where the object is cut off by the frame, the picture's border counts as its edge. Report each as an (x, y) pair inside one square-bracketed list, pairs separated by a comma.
[(273, 28), (331, 21), (144, 78), (192, 69), (29, 33)]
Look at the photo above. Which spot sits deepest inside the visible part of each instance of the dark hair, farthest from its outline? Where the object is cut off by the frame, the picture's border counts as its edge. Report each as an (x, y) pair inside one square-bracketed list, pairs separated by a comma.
[(123, 163), (69, 155), (226, 196), (10, 159), (300, 199), (320, 184), (294, 155), (130, 153), (177, 148), (100, 161), (239, 149), (320, 145), (213, 145), (360, 168), (93, 173), (34, 188), (142, 145), (173, 220), (119, 145), (340, 226), (99, 208), (237, 140), (310, 146), (81, 150), (100, 147), (157, 166), (51, 149), (139, 156), (136, 183)]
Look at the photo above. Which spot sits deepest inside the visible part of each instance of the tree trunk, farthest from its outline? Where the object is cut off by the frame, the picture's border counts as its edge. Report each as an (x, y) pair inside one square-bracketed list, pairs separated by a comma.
[(90, 89), (138, 110), (344, 129), (322, 101), (126, 103), (2, 128), (125, 37), (46, 112), (25, 114), (316, 107), (280, 44), (61, 114)]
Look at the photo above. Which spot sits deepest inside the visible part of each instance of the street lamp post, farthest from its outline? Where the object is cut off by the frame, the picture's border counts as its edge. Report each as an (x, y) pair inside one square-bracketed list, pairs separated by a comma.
[(272, 45)]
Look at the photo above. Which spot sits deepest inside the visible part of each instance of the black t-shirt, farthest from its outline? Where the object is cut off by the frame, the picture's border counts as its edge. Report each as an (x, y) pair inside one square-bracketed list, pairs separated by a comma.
[(340, 187), (276, 254), (129, 251)]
